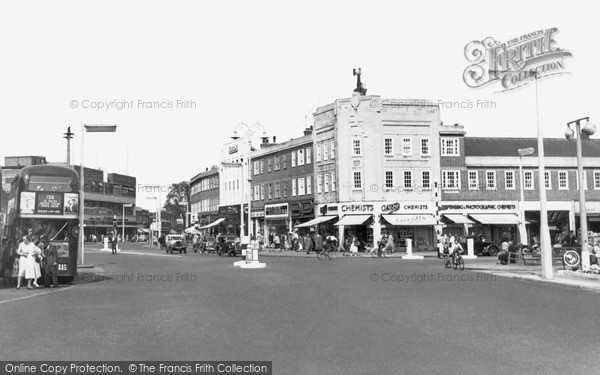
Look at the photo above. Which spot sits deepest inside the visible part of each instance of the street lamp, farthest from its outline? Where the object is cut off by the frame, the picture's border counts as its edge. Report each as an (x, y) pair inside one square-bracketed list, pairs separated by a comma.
[(158, 218), (248, 133), (123, 222), (89, 129), (522, 230), (585, 132)]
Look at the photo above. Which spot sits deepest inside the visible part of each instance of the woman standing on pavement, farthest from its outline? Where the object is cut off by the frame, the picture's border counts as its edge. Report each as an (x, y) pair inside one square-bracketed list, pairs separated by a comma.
[(26, 262)]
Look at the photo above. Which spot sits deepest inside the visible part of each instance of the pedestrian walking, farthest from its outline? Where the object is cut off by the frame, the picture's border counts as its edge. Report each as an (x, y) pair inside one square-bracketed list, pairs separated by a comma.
[(113, 242), (318, 242), (50, 264), (308, 243)]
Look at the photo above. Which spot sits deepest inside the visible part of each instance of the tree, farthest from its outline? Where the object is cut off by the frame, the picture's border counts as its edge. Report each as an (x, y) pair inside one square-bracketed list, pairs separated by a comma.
[(177, 202)]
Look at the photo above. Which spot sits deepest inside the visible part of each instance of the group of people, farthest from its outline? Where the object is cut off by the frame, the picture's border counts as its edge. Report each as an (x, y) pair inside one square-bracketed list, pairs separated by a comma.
[(309, 242), (449, 245), (26, 260)]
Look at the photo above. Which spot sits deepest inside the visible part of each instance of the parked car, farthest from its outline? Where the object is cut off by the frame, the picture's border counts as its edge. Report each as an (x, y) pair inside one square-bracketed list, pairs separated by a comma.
[(233, 245), (480, 245), (176, 242)]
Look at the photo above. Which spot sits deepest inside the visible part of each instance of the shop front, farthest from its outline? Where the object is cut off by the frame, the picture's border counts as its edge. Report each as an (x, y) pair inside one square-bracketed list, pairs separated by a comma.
[(491, 219), (277, 220), (369, 220), (302, 212), (258, 222)]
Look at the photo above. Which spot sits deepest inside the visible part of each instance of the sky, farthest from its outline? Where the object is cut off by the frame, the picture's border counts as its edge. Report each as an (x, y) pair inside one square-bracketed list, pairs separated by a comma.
[(261, 61)]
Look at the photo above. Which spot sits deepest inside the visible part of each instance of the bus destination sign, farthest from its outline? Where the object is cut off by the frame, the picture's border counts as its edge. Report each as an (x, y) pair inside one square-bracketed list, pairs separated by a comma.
[(49, 203)]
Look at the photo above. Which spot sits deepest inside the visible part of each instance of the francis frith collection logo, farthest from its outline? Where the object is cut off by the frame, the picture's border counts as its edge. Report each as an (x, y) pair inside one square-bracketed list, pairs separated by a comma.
[(516, 62)]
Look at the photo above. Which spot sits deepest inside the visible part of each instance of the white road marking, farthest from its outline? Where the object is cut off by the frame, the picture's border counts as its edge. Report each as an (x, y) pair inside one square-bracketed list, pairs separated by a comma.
[(37, 294)]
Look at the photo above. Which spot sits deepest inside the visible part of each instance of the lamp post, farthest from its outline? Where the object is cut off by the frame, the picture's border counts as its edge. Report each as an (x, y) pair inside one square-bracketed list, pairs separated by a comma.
[(89, 129), (585, 132), (123, 222), (249, 132), (158, 209), (522, 230)]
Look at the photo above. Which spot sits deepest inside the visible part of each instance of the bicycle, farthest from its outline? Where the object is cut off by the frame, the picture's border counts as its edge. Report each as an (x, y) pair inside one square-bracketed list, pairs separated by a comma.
[(376, 253), (458, 260), (329, 251)]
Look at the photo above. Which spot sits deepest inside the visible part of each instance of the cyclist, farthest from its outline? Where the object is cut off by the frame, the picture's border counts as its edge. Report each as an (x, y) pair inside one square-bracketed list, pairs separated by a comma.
[(455, 250)]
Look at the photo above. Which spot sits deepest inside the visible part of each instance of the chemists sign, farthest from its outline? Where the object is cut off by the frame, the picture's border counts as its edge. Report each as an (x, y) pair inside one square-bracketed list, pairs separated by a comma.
[(515, 62)]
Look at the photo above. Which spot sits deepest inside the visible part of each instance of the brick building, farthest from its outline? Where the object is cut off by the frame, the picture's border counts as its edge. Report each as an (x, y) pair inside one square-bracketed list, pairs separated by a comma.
[(204, 198)]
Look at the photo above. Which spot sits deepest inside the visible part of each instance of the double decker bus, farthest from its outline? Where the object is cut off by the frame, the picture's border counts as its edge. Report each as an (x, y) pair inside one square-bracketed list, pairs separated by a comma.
[(44, 202)]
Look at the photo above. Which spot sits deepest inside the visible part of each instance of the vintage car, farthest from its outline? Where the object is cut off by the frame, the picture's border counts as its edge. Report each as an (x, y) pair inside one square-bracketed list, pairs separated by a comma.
[(176, 242), (480, 245), (232, 245)]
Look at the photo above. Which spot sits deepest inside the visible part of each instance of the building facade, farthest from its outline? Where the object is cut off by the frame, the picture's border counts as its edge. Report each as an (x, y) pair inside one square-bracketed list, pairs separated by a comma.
[(283, 185), (375, 165), (481, 181), (204, 198)]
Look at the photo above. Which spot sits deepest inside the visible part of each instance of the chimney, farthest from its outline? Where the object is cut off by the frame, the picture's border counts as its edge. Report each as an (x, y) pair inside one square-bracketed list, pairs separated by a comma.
[(308, 131), (274, 139), (265, 140), (207, 168)]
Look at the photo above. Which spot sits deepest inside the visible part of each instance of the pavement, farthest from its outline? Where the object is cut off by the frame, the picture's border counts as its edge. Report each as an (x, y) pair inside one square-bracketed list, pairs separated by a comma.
[(485, 264)]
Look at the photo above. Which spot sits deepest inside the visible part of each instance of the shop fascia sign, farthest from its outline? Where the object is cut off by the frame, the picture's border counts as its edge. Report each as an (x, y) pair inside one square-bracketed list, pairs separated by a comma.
[(482, 207), (376, 208), (277, 210)]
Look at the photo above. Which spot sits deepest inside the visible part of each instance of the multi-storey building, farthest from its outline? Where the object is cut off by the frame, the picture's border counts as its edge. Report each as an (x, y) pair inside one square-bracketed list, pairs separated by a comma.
[(204, 198), (375, 163), (481, 183), (282, 185)]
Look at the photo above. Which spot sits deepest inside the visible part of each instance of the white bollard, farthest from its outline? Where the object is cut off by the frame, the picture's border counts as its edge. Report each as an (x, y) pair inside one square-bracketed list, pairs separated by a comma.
[(251, 257), (470, 249), (409, 254)]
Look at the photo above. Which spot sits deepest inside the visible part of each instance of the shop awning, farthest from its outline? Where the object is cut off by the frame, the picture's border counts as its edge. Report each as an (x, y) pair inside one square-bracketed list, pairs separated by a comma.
[(408, 220), (315, 221), (353, 220), (458, 219), (507, 219), (216, 222), (191, 229)]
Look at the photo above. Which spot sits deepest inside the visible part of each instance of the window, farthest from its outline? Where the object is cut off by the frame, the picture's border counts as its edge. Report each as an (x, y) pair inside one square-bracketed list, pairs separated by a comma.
[(269, 164), (301, 157), (308, 185), (285, 189), (326, 183), (425, 149), (293, 159), (294, 187), (528, 180), (596, 180), (450, 180), (473, 180), (426, 180), (256, 193), (563, 180), (408, 180), (262, 166), (406, 146), (262, 191), (319, 184), (333, 181), (270, 190), (388, 148), (547, 181), (490, 180), (389, 179), (301, 186), (509, 180), (450, 147), (325, 151), (284, 161), (332, 149), (356, 149), (357, 179), (255, 163), (308, 155), (319, 152), (277, 190), (277, 162)]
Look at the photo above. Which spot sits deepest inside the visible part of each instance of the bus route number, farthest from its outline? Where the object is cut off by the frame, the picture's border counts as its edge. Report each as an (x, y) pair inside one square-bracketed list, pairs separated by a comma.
[(62, 267)]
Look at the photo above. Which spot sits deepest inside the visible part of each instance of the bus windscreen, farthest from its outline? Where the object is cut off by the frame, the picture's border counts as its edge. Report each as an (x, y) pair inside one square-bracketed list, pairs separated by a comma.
[(50, 183)]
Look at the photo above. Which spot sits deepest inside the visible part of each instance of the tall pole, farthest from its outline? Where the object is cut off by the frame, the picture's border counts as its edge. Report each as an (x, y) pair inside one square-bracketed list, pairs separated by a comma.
[(522, 191), (82, 195), (249, 182), (585, 251), (68, 136), (547, 272), (123, 226)]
